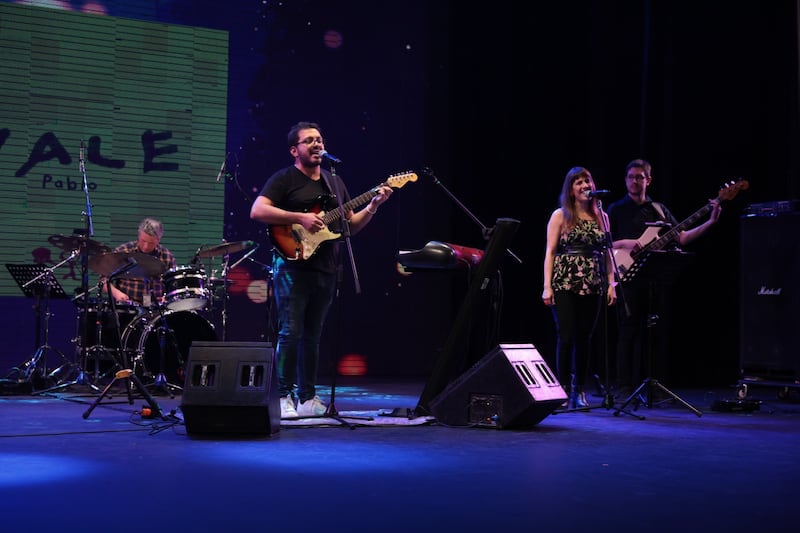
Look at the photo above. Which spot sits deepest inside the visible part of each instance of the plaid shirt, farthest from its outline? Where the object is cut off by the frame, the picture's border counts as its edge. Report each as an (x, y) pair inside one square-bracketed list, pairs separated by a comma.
[(135, 288)]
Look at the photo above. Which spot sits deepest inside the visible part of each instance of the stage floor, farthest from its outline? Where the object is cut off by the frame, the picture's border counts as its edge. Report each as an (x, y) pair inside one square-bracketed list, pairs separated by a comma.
[(659, 468)]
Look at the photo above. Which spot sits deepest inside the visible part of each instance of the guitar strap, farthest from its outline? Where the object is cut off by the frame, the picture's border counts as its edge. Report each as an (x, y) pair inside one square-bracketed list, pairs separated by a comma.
[(660, 210), (326, 176)]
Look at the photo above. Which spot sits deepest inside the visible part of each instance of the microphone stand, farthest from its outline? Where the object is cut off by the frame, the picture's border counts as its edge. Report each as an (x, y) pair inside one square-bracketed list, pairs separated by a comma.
[(331, 411), (485, 231)]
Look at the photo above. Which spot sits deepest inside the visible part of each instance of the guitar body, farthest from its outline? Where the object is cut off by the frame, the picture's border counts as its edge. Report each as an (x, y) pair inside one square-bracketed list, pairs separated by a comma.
[(650, 241), (625, 259), (294, 243)]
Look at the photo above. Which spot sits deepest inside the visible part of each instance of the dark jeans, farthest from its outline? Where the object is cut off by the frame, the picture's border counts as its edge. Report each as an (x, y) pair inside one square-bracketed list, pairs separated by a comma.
[(302, 300), (576, 319)]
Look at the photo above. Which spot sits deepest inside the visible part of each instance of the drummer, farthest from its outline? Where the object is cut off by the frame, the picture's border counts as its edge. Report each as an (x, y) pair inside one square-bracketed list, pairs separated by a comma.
[(142, 291)]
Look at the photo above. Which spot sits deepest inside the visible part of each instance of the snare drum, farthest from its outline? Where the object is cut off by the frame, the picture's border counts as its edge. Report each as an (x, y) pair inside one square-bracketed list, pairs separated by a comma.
[(100, 328), (185, 288)]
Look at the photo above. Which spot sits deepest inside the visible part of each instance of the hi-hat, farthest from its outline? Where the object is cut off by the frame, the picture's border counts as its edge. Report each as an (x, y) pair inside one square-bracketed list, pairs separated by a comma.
[(73, 242), (147, 266), (225, 248)]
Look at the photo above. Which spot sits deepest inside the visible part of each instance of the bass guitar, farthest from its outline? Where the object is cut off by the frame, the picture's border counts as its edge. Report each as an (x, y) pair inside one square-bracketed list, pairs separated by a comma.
[(294, 243), (629, 262)]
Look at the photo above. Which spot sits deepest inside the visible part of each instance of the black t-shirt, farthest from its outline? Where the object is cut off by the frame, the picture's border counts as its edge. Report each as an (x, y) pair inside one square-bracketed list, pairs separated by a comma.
[(290, 189), (629, 220)]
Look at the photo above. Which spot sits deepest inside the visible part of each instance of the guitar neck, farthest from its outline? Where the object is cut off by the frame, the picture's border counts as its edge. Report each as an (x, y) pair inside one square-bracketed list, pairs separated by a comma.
[(361, 199), (669, 236)]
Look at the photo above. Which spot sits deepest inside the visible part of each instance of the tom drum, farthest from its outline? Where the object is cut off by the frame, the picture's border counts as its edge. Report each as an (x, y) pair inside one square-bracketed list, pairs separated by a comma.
[(185, 288)]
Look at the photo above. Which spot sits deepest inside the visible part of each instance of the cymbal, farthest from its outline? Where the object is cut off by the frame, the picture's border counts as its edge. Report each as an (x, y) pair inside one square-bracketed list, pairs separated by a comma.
[(225, 248), (147, 266), (73, 242)]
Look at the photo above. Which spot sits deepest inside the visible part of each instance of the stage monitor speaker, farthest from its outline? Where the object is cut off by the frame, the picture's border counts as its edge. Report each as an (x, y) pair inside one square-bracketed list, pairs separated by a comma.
[(510, 387), (231, 387), (769, 307)]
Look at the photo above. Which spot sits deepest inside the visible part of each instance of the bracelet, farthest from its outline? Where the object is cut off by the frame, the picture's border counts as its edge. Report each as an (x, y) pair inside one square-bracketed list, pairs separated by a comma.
[(370, 211)]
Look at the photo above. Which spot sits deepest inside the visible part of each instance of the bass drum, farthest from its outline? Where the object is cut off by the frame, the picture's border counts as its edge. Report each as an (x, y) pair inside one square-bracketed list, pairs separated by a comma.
[(141, 340)]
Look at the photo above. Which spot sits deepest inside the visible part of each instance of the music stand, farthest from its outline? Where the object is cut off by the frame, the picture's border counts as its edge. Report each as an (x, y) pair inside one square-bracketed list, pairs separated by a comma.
[(37, 281), (653, 268)]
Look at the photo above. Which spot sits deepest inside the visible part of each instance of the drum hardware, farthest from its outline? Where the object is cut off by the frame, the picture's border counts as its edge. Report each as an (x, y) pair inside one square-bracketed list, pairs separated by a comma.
[(231, 248), (161, 379), (122, 370), (102, 339)]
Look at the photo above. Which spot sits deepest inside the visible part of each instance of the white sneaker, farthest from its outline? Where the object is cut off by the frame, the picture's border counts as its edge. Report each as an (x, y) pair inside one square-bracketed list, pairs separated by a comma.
[(312, 407), (287, 407)]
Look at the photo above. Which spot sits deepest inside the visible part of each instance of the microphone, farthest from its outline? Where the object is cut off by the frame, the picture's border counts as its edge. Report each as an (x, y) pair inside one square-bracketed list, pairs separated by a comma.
[(80, 158), (332, 158), (222, 168), (598, 193)]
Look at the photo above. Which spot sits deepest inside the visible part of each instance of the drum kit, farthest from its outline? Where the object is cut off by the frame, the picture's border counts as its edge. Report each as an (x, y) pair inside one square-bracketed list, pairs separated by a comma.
[(153, 342)]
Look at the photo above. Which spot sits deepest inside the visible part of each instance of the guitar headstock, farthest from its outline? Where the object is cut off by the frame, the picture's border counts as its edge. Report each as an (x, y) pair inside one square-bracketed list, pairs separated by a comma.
[(398, 180), (730, 190)]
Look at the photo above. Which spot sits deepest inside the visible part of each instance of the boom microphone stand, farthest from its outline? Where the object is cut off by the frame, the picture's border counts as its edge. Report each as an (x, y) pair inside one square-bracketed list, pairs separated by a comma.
[(84, 247)]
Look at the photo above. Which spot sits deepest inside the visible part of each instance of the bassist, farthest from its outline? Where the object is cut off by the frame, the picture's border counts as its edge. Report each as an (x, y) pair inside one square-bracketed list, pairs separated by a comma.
[(631, 218)]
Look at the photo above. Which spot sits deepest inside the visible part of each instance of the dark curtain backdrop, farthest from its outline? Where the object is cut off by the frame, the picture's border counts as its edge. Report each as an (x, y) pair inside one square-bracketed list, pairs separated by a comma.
[(499, 104)]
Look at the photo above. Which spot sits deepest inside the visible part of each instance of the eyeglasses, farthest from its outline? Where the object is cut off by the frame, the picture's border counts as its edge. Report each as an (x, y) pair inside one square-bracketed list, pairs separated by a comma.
[(637, 177), (311, 140)]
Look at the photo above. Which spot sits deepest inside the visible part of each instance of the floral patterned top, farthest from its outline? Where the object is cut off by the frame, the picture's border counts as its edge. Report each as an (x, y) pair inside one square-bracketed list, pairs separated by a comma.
[(575, 267)]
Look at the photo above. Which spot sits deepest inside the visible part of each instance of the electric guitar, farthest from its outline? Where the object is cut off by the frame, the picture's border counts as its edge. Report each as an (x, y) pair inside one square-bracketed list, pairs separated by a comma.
[(629, 263), (294, 243)]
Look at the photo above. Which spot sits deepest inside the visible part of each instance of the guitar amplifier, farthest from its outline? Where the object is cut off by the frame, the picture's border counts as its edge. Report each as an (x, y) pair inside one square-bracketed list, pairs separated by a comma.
[(772, 208), (769, 304)]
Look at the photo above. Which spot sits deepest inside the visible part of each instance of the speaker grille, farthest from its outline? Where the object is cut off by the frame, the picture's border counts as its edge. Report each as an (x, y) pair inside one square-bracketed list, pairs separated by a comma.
[(770, 296)]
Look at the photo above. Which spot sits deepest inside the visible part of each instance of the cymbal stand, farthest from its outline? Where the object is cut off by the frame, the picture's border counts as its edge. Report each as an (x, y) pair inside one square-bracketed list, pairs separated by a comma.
[(268, 294), (225, 270), (86, 233), (82, 377)]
